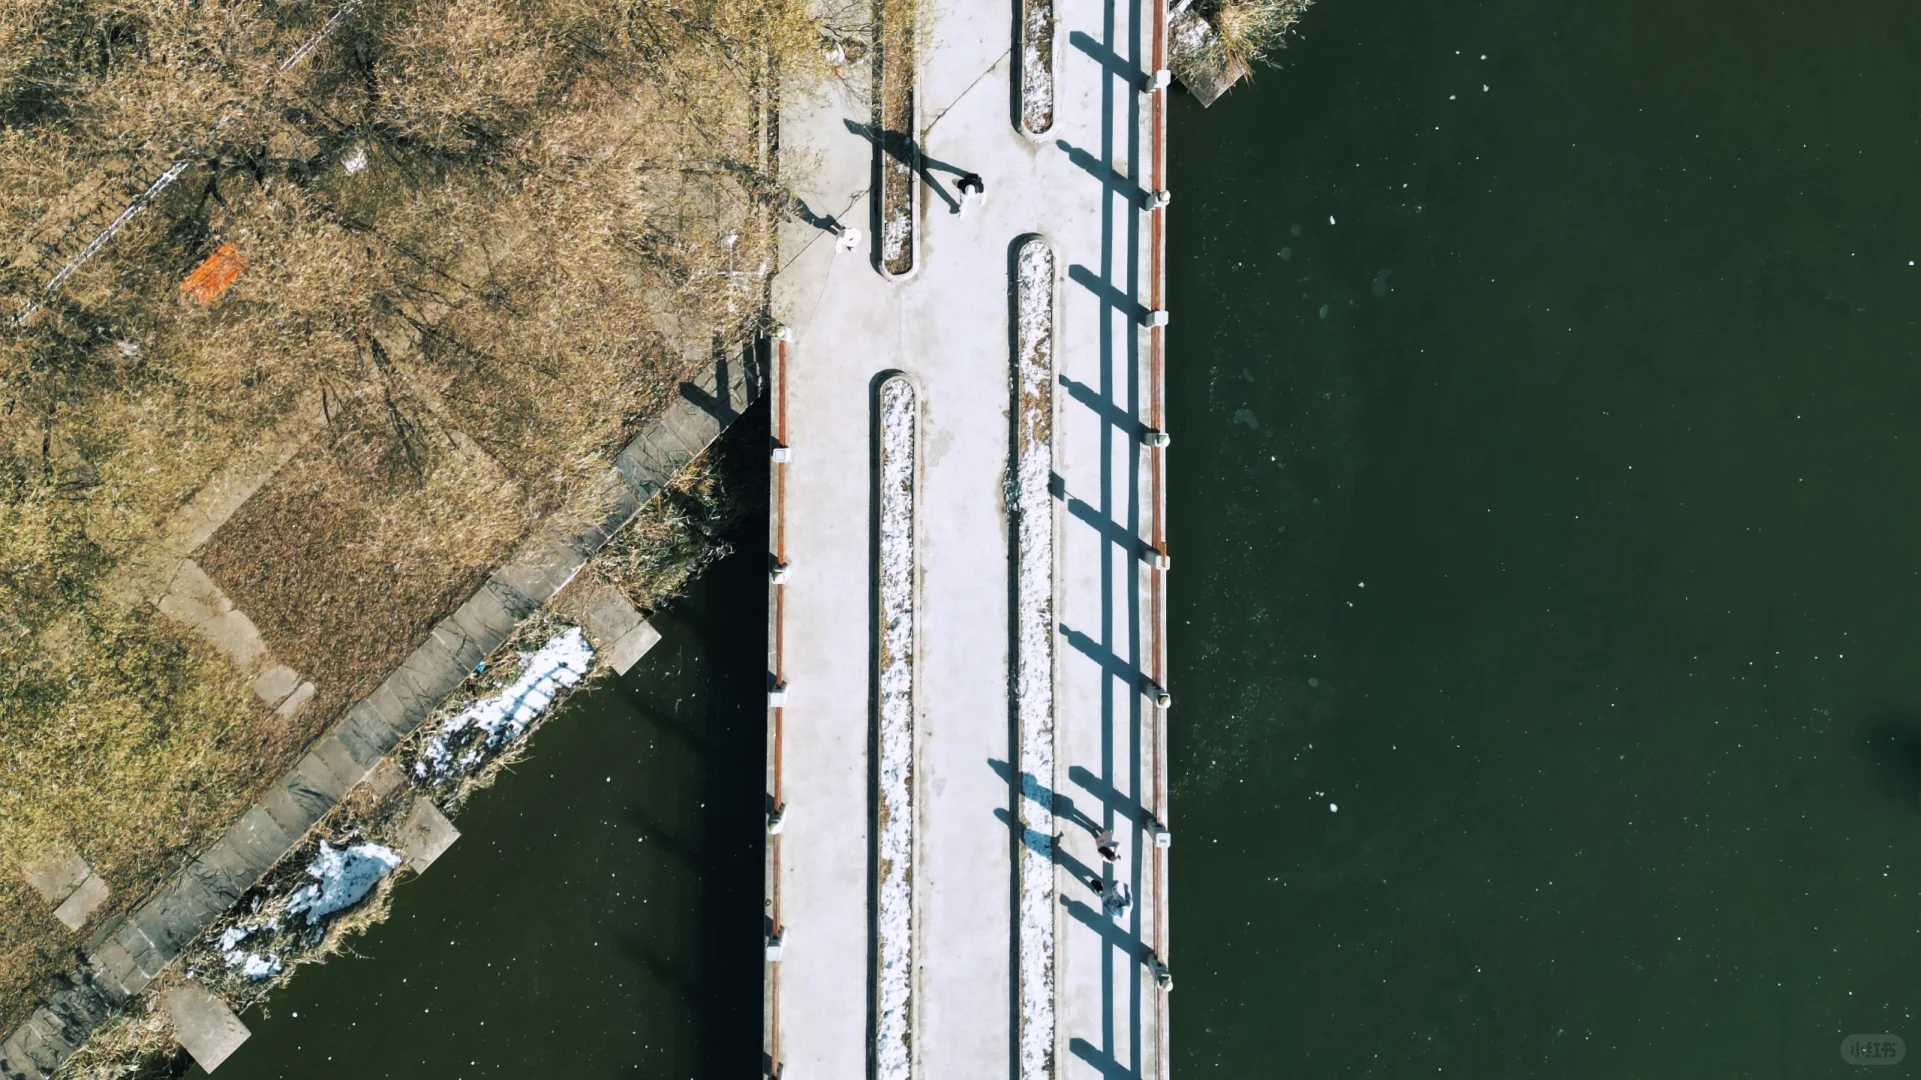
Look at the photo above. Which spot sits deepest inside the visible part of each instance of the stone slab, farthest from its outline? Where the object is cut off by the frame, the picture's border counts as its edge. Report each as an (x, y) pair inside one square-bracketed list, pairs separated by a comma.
[(56, 873), (352, 742), (31, 1051), (312, 774), (425, 835), (693, 425), (607, 616), (489, 616), (53, 1028), (115, 971), (275, 683), (296, 700), (386, 778), (294, 811), (204, 1025), (223, 873), (399, 706), (80, 905), (333, 753), (654, 457), (367, 733), (637, 468), (145, 960), (434, 668), (465, 652), (539, 570), (257, 840), (380, 720), (614, 507), (80, 1004), (178, 913), (194, 599), (627, 650)]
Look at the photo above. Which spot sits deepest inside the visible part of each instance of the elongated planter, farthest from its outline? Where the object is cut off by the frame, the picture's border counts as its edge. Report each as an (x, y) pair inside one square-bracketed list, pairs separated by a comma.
[(897, 152), (1031, 512), (1037, 61), (895, 749)]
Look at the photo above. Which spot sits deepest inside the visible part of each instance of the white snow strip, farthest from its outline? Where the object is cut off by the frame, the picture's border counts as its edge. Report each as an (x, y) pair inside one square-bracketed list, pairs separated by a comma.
[(894, 923), (251, 964), (503, 717), (894, 235), (344, 875), (1037, 66), (1033, 514)]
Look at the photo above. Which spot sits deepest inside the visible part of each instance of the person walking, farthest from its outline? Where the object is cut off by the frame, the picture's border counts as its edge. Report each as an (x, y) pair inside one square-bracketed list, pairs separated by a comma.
[(972, 190), (1108, 845)]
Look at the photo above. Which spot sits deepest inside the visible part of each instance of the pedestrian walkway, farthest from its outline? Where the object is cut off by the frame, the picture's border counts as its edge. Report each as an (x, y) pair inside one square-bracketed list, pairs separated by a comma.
[(967, 520)]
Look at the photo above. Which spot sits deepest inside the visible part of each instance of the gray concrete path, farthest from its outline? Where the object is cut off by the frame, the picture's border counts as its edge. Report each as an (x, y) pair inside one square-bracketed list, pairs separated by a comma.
[(1084, 188)]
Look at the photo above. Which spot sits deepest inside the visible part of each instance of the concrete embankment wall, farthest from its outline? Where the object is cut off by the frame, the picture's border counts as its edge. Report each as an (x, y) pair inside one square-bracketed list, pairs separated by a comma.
[(126, 956)]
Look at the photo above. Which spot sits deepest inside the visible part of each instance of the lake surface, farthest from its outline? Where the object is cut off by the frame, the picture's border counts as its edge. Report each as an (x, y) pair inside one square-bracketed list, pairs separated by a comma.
[(1547, 612), (600, 916)]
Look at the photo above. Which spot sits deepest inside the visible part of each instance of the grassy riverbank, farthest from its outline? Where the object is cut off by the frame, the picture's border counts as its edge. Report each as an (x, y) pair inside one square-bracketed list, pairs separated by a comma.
[(483, 242)]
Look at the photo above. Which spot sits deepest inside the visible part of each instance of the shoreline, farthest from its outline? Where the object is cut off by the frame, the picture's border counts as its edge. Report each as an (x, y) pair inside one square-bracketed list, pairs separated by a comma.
[(128, 956)]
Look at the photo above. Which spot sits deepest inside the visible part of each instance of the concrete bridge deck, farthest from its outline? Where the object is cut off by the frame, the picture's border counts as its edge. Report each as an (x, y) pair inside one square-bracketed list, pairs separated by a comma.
[(952, 327)]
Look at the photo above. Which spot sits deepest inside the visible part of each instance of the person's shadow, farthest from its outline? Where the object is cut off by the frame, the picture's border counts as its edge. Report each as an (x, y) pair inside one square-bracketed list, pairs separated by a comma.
[(901, 147), (826, 223)]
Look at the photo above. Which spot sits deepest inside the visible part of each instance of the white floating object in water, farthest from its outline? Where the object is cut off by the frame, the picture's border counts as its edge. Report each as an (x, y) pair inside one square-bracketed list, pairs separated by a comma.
[(1333, 808)]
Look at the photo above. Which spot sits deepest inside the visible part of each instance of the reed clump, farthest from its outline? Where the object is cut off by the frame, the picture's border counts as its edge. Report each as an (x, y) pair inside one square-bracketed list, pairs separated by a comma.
[(1249, 32)]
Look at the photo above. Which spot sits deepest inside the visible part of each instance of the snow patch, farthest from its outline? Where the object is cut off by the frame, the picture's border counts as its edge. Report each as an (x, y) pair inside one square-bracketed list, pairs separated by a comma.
[(253, 965), (899, 437), (894, 235), (1037, 66), (489, 724), (343, 876), (1032, 510)]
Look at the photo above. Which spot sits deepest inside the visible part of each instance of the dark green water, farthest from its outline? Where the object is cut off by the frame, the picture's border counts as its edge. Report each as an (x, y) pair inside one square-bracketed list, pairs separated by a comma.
[(600, 916), (1551, 511)]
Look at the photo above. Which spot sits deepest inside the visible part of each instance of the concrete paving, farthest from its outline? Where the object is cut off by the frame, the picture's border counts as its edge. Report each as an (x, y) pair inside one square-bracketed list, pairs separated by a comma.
[(948, 325)]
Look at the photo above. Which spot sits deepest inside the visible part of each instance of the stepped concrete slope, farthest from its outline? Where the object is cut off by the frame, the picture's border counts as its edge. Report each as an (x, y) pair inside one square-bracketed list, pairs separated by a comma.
[(126, 956), (995, 990)]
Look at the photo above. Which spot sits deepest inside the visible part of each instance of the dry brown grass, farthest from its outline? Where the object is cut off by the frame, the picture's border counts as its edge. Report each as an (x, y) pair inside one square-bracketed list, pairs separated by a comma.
[(564, 202)]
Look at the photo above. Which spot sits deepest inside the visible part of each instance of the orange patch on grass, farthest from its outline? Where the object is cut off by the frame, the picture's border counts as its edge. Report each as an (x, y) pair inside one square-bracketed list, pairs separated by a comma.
[(212, 277)]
